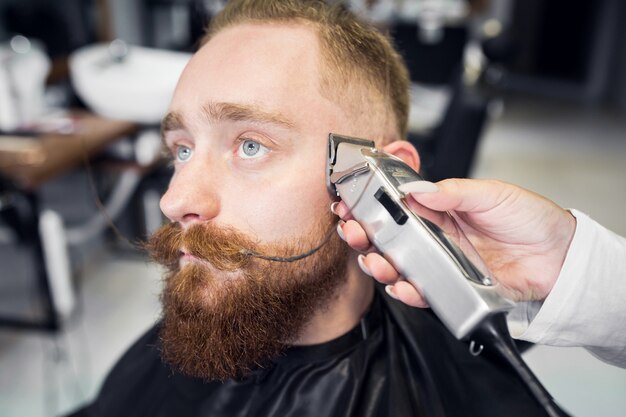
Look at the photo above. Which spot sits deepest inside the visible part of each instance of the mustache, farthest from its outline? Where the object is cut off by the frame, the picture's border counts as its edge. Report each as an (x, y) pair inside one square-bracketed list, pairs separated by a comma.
[(224, 247)]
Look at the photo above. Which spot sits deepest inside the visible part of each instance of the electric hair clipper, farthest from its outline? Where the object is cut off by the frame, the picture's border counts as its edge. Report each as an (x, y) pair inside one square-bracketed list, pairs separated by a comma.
[(455, 283)]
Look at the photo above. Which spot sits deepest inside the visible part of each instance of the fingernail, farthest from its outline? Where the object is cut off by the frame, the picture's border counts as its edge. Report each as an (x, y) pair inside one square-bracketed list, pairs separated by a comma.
[(419, 187), (389, 291), (361, 261), (333, 206), (340, 224)]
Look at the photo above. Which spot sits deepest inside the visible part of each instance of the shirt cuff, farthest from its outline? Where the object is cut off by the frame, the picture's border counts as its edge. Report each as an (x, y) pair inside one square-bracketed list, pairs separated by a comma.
[(586, 305)]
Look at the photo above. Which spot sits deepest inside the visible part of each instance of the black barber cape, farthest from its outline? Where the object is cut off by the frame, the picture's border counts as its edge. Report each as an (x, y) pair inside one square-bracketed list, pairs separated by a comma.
[(399, 361)]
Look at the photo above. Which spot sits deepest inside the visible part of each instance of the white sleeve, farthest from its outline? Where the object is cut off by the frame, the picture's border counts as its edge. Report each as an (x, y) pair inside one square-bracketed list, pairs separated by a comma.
[(587, 306)]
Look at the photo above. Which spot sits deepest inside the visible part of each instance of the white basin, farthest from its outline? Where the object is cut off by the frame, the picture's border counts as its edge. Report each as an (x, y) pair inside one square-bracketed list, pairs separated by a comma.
[(139, 87)]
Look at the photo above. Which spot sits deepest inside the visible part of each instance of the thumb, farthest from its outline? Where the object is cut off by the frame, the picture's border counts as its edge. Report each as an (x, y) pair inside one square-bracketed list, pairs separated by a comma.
[(463, 195)]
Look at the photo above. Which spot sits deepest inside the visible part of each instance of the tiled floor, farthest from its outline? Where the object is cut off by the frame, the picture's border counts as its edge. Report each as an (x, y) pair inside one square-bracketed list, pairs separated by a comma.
[(573, 156)]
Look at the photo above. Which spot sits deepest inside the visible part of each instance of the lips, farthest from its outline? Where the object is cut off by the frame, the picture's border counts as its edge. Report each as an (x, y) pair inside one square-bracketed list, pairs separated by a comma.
[(187, 258)]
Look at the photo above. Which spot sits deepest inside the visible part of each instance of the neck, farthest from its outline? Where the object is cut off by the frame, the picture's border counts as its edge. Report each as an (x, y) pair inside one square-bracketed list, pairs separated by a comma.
[(344, 311)]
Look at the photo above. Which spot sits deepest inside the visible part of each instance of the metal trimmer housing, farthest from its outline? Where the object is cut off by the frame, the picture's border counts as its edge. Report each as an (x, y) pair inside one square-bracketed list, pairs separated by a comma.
[(367, 180)]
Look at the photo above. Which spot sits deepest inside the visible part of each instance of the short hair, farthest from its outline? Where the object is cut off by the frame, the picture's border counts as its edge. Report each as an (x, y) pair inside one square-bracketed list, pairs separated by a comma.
[(354, 54)]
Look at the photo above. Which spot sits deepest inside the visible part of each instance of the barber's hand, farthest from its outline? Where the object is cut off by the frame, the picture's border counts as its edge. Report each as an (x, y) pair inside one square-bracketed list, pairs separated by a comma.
[(522, 237)]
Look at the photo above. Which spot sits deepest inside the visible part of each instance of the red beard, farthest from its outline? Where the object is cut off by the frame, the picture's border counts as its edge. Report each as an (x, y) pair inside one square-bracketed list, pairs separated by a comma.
[(226, 313)]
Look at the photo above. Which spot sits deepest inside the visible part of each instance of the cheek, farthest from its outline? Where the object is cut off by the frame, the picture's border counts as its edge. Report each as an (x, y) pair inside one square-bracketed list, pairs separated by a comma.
[(307, 202), (285, 206)]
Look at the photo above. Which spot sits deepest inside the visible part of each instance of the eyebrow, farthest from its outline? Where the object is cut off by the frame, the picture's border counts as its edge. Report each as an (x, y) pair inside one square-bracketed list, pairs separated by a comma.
[(171, 121), (217, 112)]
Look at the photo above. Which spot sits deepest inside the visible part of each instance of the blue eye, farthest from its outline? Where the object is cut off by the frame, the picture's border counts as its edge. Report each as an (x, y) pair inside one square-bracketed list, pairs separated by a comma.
[(183, 153), (251, 149)]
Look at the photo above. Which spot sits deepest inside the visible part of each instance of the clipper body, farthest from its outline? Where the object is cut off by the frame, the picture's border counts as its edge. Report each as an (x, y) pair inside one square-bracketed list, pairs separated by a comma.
[(367, 180)]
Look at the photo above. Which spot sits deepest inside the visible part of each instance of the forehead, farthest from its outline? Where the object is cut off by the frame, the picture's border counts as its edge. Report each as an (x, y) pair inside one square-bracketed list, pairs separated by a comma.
[(275, 66)]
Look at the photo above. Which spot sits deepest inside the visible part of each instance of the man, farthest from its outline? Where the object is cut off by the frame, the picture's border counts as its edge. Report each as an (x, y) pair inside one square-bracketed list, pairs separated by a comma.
[(247, 327)]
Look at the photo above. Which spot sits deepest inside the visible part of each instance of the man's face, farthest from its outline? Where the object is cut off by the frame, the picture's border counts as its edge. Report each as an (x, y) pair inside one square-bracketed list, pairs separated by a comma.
[(247, 129), (249, 136)]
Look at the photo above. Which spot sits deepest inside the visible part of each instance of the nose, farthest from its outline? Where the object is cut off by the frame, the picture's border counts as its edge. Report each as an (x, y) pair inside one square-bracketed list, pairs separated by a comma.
[(192, 195)]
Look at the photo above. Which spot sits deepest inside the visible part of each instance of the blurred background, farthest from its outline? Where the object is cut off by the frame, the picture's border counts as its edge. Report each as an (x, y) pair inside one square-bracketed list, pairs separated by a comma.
[(527, 91)]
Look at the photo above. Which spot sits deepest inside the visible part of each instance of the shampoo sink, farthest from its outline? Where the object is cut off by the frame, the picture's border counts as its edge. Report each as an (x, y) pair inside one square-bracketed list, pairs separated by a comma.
[(136, 85)]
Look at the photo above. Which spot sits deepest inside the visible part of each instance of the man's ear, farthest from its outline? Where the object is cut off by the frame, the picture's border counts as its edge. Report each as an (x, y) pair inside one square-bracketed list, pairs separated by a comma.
[(405, 151)]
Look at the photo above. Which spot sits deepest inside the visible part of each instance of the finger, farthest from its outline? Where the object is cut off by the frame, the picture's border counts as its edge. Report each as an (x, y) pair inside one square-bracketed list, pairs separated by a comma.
[(405, 292), (418, 187), (374, 265), (465, 195), (340, 209), (354, 235)]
